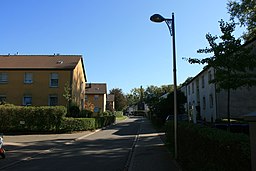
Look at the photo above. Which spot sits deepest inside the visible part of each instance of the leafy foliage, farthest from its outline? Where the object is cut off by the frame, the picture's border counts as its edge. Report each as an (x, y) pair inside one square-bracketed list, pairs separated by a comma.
[(245, 12), (120, 100), (204, 148), (233, 63)]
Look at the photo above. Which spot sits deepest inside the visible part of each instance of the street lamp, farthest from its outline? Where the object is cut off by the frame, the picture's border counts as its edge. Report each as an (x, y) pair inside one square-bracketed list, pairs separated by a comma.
[(170, 23)]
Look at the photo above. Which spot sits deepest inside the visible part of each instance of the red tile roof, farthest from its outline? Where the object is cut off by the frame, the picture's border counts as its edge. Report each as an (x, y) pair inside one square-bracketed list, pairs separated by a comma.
[(39, 61)]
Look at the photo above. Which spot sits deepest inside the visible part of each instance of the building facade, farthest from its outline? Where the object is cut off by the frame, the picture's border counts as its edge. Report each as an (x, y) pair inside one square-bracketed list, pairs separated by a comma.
[(204, 102), (39, 80), (96, 94)]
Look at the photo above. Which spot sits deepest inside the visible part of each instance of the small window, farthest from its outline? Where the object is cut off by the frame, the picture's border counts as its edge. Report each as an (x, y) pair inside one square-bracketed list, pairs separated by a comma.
[(28, 78), (203, 81), (27, 100), (54, 80), (193, 87), (2, 99), (204, 103), (96, 110), (3, 77), (211, 100), (96, 97), (53, 100), (209, 76)]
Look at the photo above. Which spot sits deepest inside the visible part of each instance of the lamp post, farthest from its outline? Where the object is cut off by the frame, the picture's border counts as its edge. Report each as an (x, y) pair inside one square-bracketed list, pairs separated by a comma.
[(170, 23)]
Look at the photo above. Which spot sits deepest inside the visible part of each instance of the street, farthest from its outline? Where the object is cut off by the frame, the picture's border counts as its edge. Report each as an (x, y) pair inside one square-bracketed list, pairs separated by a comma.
[(110, 149)]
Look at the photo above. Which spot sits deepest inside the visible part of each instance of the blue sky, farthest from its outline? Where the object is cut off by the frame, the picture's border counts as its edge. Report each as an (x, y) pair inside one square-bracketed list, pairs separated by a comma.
[(119, 44)]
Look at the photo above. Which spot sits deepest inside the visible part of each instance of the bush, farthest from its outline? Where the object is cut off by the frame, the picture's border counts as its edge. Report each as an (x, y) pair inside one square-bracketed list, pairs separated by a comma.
[(118, 113), (104, 121), (38, 119), (204, 148), (77, 124), (74, 111), (85, 114)]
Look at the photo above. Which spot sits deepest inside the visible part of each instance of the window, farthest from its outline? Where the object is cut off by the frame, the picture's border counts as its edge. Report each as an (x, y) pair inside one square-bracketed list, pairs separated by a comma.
[(54, 80), (209, 76), (189, 90), (96, 110), (204, 103), (3, 77), (28, 78), (86, 97), (211, 100), (53, 100), (27, 100), (96, 97), (203, 81), (193, 87), (2, 99)]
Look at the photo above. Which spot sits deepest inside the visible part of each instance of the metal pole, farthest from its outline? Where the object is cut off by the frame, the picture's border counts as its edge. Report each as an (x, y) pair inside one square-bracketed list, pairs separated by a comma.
[(174, 89)]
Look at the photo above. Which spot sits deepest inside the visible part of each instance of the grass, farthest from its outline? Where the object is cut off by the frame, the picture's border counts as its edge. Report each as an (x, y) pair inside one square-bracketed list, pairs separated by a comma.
[(121, 118)]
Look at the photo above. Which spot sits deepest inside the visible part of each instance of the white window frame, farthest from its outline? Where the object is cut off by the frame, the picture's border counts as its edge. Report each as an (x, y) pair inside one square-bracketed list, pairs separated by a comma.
[(28, 78), (3, 77), (54, 77)]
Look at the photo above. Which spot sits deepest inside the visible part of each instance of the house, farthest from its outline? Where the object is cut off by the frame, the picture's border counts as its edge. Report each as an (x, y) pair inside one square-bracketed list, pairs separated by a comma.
[(39, 80), (110, 102), (206, 103), (96, 94)]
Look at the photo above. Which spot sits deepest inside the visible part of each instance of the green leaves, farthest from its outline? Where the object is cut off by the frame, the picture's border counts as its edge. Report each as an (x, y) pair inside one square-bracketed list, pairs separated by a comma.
[(245, 12)]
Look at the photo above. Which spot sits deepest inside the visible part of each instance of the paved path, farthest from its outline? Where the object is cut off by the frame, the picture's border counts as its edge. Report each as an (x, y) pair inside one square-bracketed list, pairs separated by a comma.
[(150, 154), (147, 153)]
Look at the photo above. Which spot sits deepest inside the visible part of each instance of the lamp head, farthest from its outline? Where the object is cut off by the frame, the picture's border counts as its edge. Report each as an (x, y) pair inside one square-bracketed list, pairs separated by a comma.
[(157, 18)]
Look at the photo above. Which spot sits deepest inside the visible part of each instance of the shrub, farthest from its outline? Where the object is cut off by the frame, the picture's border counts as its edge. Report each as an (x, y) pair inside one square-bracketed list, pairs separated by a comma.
[(118, 113), (19, 118), (85, 114), (104, 121), (77, 124), (74, 111), (204, 148)]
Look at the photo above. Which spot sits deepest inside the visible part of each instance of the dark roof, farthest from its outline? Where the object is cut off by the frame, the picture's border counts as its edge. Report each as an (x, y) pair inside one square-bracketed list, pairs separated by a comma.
[(96, 88), (39, 61)]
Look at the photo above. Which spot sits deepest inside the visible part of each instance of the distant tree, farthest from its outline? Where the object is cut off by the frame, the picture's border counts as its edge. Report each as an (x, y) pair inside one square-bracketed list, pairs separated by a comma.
[(245, 12), (165, 106), (120, 100), (67, 94), (232, 62), (133, 97)]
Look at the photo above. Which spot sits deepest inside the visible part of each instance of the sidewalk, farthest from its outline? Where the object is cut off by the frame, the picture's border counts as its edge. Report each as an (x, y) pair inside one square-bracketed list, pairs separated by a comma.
[(12, 142), (150, 153)]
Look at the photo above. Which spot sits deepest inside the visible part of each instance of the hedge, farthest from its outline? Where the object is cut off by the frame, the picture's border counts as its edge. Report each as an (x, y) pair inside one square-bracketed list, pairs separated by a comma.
[(37, 119), (204, 148), (104, 121), (77, 124), (14, 119)]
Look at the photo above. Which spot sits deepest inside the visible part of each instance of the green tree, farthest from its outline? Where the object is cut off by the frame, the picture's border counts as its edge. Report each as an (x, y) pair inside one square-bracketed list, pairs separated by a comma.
[(67, 94), (120, 100), (133, 97), (233, 63), (245, 12), (165, 106)]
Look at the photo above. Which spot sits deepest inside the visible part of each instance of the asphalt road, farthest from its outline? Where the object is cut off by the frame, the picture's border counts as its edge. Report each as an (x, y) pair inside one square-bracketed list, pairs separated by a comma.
[(108, 150)]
